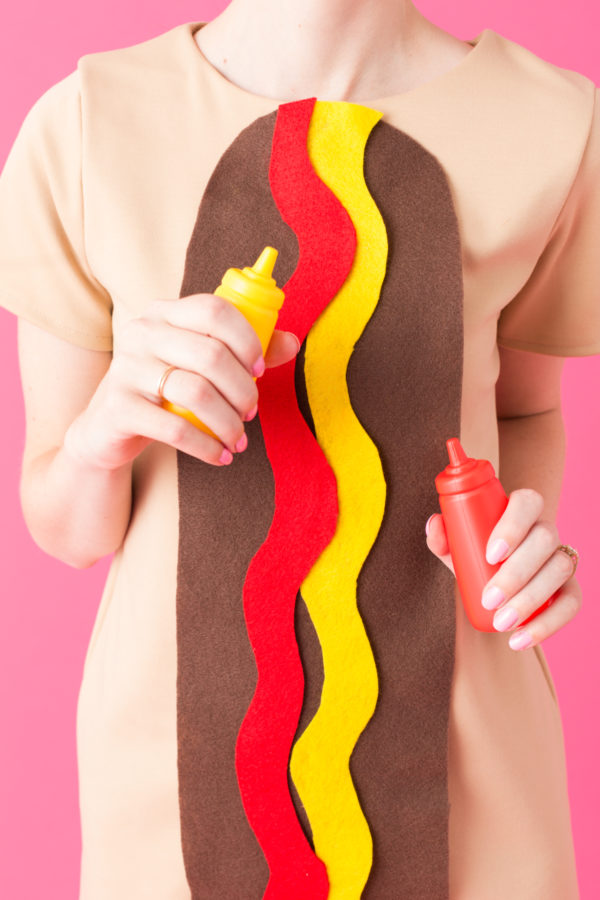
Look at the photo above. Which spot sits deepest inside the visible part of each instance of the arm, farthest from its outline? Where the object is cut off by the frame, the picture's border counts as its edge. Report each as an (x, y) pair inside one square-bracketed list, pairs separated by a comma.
[(532, 454), (88, 414), (531, 462), (532, 441), (536, 583), (74, 511)]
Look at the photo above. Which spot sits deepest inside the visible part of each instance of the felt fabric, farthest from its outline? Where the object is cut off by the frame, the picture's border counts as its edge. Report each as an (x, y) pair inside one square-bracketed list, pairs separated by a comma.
[(320, 759), (404, 381), (407, 402), (225, 515), (304, 521), (492, 125)]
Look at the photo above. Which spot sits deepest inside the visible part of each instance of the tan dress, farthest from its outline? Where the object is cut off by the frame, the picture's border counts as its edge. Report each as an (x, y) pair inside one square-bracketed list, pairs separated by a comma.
[(468, 212)]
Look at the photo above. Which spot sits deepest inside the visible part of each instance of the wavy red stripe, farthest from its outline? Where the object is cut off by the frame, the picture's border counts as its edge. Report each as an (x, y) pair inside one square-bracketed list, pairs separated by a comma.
[(304, 521)]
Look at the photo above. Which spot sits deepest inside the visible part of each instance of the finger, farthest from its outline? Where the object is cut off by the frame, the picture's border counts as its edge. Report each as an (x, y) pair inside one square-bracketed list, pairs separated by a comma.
[(524, 507), (552, 576), (564, 608), (152, 421), (216, 317), (283, 346), (537, 555), (436, 534), (198, 395), (206, 356), (209, 357), (190, 390), (437, 540)]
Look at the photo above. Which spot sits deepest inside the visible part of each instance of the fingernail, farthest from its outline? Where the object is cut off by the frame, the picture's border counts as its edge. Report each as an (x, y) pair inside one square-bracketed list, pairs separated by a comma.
[(492, 597), (242, 443), (259, 367), (251, 414), (496, 552), (297, 341), (428, 521), (225, 457), (520, 640), (505, 618)]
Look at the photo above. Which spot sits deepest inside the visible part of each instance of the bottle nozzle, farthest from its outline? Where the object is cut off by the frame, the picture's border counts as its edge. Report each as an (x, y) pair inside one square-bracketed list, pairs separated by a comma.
[(255, 283), (456, 454), (463, 473), (265, 262)]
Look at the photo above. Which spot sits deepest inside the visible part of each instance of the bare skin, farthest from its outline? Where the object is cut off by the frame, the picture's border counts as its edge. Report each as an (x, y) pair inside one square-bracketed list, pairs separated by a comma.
[(90, 413), (338, 49)]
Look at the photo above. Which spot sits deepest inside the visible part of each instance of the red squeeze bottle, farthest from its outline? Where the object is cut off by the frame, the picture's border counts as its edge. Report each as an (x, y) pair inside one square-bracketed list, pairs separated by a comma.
[(472, 500)]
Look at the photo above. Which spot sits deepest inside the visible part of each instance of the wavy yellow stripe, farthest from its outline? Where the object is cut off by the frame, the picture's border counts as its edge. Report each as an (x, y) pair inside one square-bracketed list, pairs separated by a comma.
[(319, 762)]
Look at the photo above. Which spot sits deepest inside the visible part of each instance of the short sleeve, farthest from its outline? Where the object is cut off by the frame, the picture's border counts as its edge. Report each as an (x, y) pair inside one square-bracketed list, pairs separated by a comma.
[(45, 276), (557, 311)]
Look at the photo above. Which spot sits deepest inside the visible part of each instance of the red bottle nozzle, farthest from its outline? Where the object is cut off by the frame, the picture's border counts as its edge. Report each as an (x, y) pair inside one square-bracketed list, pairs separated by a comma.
[(463, 472), (456, 454), (472, 500)]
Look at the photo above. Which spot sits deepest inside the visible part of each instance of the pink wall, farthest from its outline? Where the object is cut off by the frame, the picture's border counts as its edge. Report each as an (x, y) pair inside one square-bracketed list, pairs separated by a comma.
[(47, 608)]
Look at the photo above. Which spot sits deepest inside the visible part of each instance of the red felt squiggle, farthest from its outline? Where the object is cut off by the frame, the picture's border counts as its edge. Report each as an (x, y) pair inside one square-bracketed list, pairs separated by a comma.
[(304, 521)]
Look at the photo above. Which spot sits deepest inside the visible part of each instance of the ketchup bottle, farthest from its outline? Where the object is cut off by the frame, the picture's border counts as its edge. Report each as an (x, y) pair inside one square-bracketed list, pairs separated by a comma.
[(472, 500), (254, 292)]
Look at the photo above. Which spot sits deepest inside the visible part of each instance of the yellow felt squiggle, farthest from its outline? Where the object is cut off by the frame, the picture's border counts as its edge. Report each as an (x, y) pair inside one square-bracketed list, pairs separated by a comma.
[(319, 762)]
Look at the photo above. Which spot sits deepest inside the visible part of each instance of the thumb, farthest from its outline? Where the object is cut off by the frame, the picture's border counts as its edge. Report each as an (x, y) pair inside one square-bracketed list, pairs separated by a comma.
[(437, 540), (283, 346)]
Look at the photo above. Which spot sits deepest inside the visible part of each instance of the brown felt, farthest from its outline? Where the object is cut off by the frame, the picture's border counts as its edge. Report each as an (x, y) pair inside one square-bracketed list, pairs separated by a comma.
[(225, 514), (405, 383), (404, 380)]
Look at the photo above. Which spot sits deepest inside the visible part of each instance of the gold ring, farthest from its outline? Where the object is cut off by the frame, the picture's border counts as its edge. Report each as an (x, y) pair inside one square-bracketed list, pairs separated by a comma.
[(161, 383), (572, 553)]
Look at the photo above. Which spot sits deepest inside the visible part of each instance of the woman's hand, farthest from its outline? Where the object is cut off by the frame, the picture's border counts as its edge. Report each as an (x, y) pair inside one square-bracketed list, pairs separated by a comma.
[(533, 570), (217, 354)]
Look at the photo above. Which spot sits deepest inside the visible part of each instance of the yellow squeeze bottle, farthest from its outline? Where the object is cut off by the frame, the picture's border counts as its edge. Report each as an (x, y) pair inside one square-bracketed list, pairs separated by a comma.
[(255, 293)]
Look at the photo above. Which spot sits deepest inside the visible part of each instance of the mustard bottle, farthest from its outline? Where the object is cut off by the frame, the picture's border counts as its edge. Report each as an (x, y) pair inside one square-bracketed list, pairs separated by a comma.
[(254, 292)]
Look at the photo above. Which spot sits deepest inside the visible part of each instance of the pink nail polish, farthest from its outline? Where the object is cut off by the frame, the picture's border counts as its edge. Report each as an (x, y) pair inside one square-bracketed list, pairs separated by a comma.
[(520, 641), (251, 414), (242, 443), (506, 617), (225, 457), (496, 552), (259, 367), (492, 597)]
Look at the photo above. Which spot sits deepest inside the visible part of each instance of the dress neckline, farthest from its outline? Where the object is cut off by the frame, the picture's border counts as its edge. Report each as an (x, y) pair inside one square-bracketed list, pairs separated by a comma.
[(464, 67)]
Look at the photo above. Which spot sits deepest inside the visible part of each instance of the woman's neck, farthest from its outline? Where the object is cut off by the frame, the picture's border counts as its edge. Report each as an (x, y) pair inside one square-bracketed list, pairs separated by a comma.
[(334, 49)]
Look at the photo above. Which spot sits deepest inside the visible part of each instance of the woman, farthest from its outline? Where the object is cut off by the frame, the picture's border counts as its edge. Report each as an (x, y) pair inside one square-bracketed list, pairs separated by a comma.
[(430, 201)]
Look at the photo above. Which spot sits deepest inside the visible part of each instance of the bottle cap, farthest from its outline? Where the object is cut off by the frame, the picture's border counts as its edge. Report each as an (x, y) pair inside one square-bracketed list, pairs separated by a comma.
[(463, 473), (256, 283)]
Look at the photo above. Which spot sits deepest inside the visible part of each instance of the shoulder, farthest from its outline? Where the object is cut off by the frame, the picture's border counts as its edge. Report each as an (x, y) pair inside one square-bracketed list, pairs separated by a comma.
[(535, 117), (558, 101), (136, 86), (160, 55), (106, 74)]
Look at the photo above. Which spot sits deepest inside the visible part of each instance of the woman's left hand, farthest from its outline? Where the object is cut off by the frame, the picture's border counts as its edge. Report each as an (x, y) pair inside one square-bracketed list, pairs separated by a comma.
[(533, 570)]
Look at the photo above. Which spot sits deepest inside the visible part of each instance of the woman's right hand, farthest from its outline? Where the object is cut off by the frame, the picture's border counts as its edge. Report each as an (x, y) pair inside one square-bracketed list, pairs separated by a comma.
[(214, 349)]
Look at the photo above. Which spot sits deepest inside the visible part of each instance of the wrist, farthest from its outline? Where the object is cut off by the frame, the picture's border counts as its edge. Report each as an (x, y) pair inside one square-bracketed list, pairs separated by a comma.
[(76, 445)]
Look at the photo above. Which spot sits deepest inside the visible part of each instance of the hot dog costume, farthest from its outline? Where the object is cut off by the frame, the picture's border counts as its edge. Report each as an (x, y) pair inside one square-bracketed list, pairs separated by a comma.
[(282, 696)]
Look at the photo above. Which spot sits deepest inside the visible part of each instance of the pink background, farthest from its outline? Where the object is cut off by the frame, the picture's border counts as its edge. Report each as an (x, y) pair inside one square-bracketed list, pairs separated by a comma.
[(48, 608)]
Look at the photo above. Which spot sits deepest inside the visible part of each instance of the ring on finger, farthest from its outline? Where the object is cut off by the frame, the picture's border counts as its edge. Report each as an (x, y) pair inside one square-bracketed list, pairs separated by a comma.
[(572, 552), (512, 612), (163, 378)]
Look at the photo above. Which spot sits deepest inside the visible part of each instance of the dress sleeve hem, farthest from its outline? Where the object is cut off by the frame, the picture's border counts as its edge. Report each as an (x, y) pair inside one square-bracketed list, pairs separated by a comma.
[(58, 329), (549, 349)]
